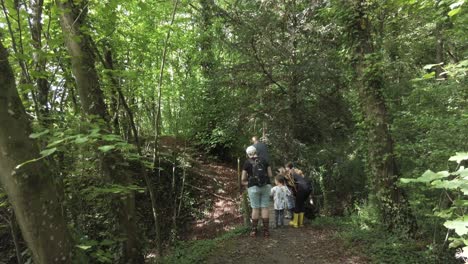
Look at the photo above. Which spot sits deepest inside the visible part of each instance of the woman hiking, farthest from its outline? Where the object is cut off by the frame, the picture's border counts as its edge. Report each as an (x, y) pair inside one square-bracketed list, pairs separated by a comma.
[(256, 174)]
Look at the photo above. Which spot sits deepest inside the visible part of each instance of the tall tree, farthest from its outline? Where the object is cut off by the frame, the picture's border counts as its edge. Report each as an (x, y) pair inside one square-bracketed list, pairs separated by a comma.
[(80, 49), (391, 200), (30, 188)]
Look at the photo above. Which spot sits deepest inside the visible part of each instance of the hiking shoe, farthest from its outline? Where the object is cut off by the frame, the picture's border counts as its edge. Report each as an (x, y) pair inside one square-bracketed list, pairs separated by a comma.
[(266, 232), (253, 233)]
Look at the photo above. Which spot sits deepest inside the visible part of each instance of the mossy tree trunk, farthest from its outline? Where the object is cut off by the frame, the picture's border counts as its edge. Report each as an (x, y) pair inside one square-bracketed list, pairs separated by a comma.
[(391, 200)]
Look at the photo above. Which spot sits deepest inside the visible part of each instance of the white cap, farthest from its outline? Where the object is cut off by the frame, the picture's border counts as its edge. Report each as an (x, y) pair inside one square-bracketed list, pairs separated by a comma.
[(251, 151)]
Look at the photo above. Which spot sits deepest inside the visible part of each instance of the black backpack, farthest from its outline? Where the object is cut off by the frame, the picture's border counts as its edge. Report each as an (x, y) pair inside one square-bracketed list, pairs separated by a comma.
[(259, 175)]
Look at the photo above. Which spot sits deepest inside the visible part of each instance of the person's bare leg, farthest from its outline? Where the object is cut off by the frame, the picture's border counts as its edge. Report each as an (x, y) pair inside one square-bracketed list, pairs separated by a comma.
[(265, 213)]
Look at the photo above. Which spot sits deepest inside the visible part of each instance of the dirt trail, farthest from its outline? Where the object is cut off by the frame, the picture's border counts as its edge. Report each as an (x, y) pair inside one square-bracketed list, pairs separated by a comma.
[(220, 188), (287, 245)]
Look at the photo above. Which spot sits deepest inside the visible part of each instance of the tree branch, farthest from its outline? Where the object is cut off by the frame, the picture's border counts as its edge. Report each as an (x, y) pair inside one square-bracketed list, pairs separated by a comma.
[(265, 71)]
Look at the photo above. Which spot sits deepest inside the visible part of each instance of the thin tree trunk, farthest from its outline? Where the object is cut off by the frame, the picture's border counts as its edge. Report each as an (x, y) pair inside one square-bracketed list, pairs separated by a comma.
[(35, 23), (174, 209), (181, 197), (30, 188), (439, 51), (157, 121), (157, 117), (92, 100), (108, 63)]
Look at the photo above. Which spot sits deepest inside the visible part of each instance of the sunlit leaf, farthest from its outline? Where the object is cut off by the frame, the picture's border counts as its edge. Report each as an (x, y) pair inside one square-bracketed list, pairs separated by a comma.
[(430, 66), (429, 75), (454, 12), (39, 134), (429, 176), (459, 157), (83, 247), (55, 143), (81, 140), (457, 4), (106, 148), (459, 225), (450, 185), (48, 152)]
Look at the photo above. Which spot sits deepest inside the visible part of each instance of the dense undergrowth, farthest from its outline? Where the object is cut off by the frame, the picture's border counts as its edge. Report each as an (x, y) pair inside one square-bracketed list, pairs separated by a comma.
[(362, 234)]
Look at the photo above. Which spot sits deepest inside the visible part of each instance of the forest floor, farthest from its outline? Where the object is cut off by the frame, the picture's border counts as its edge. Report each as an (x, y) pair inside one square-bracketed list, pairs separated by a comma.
[(309, 244), (287, 245)]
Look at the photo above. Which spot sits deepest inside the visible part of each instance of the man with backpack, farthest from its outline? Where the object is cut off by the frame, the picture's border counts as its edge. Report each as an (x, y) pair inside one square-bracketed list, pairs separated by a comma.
[(256, 174)]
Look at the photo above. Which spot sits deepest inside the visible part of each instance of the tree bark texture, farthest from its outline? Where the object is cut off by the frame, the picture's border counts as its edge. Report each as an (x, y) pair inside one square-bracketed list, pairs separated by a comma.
[(92, 100), (384, 174), (30, 189)]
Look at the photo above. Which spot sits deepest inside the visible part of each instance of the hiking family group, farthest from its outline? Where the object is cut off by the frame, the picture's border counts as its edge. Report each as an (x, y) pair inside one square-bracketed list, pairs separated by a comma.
[(289, 194)]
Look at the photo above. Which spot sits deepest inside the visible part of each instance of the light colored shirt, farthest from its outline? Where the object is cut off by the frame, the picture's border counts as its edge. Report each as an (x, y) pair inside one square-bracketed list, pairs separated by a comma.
[(280, 194)]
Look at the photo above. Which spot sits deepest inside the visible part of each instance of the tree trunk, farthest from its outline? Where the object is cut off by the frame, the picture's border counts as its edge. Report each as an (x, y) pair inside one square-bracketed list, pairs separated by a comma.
[(439, 51), (92, 100), (30, 188), (108, 63), (39, 60), (391, 201)]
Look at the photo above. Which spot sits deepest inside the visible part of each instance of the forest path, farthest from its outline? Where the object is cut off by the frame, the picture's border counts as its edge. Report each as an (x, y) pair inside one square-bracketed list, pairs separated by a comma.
[(287, 245), (218, 187), (215, 188), (309, 244)]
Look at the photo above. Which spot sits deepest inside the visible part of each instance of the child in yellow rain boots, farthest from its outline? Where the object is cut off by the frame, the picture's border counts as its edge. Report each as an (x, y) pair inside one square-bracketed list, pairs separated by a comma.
[(295, 221), (298, 220), (303, 190)]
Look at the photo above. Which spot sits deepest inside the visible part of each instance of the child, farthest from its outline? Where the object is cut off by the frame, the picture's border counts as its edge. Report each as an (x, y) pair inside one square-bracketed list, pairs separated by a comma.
[(290, 204), (291, 198), (280, 193)]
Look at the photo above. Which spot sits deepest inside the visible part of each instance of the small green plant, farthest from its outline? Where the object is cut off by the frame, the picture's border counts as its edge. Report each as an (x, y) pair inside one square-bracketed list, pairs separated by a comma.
[(454, 186)]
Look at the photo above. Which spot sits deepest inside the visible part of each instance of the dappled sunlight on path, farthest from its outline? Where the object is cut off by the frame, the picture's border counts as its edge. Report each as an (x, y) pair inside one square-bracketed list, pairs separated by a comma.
[(219, 188)]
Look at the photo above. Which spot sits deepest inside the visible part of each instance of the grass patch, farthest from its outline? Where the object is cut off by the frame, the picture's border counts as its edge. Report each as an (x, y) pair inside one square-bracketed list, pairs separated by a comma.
[(335, 223), (187, 252), (381, 246)]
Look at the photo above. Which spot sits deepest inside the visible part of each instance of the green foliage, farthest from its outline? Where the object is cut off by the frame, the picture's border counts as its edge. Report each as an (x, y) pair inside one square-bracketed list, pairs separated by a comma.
[(97, 251), (454, 184), (362, 232), (240, 68)]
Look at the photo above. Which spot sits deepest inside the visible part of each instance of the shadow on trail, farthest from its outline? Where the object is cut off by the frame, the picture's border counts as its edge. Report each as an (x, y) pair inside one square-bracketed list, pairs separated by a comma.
[(287, 245)]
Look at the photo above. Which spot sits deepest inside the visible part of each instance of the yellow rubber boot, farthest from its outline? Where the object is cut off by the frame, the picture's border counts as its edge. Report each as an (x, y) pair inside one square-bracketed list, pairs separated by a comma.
[(301, 220), (294, 222)]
